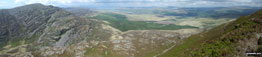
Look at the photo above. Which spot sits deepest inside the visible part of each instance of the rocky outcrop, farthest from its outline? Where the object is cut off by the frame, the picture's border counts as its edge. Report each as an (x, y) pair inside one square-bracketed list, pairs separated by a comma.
[(10, 28), (38, 26)]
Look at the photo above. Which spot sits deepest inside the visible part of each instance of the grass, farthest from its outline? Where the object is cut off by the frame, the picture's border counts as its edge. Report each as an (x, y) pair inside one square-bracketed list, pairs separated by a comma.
[(217, 42), (88, 51), (225, 45), (120, 22), (15, 42), (193, 42)]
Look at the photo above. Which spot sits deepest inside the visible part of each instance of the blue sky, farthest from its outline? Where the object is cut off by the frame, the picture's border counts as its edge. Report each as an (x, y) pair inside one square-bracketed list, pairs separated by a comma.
[(133, 3)]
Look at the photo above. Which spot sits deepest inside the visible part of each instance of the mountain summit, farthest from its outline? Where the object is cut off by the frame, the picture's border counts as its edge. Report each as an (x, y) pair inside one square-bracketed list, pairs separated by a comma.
[(33, 26)]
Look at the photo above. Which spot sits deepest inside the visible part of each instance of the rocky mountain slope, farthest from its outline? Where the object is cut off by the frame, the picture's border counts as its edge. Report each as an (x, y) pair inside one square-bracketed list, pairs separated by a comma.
[(233, 39), (38, 30), (35, 26)]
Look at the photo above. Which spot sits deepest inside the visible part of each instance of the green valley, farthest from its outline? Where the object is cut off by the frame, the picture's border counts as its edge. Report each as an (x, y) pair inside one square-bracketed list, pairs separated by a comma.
[(122, 23)]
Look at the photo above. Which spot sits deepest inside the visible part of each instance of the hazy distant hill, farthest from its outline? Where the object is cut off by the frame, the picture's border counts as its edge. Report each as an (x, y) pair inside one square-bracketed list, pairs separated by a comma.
[(81, 11)]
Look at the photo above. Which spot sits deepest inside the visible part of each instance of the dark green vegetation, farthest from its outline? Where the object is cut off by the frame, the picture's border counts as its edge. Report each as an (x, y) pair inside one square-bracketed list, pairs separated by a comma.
[(222, 40), (120, 22)]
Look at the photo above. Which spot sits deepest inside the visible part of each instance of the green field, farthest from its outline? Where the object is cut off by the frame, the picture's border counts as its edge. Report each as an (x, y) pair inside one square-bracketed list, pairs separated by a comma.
[(122, 23)]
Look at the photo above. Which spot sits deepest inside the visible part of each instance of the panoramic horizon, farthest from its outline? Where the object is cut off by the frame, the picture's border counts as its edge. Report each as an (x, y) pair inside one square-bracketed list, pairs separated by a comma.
[(134, 3), (131, 28)]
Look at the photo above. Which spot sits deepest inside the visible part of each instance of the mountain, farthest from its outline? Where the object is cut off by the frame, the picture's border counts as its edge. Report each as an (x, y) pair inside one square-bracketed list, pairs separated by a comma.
[(29, 28), (233, 39), (81, 11), (37, 30)]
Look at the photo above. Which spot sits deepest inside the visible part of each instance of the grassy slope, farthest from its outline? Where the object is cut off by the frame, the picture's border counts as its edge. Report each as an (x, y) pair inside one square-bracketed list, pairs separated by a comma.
[(217, 41), (120, 22)]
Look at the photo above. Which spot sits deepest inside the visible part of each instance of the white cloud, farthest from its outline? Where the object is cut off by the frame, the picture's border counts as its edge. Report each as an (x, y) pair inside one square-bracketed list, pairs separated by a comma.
[(53, 1), (245, 1), (178, 3), (2, 4)]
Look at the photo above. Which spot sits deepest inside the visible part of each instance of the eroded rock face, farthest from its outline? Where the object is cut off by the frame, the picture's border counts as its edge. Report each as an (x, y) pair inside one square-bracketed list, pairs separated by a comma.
[(39, 27), (136, 43), (9, 27)]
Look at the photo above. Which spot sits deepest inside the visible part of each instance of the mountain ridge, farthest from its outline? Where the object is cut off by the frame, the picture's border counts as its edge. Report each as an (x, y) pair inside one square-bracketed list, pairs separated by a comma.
[(231, 39), (48, 31), (36, 25)]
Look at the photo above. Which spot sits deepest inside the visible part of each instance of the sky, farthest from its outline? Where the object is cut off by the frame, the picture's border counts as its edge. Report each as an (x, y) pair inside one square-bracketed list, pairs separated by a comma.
[(133, 3)]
